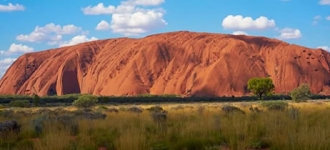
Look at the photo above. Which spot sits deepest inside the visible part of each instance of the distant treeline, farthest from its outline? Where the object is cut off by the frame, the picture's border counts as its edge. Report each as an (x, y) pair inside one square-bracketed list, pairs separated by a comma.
[(68, 99)]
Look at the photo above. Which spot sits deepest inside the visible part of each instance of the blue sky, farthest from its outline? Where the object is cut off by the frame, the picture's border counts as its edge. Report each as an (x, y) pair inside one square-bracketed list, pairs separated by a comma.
[(31, 25)]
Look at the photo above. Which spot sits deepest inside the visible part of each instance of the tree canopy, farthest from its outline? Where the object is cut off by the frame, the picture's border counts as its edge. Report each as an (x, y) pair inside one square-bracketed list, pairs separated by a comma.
[(85, 101), (261, 86), (302, 93)]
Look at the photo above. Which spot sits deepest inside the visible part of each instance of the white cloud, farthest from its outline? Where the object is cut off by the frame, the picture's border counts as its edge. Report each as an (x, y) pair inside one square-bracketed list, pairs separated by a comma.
[(316, 19), (130, 19), (103, 25), (5, 64), (137, 22), (239, 33), (77, 39), (239, 22), (99, 9), (17, 49), (324, 2), (7, 61), (147, 2), (69, 29), (51, 27), (327, 48), (289, 33), (39, 37), (11, 7), (126, 8), (50, 33), (328, 18)]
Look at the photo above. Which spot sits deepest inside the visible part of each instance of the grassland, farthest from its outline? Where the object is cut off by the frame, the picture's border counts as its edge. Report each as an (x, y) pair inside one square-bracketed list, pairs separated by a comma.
[(193, 126)]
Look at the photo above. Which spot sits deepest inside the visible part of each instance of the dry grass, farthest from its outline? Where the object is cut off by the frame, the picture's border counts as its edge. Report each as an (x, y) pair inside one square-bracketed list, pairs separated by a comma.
[(188, 126)]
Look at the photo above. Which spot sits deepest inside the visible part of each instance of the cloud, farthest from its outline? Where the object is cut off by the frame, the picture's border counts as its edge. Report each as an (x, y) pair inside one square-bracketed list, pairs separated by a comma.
[(324, 2), (137, 22), (327, 48), (316, 19), (5, 64), (51, 27), (98, 9), (50, 33), (239, 33), (328, 18), (146, 2), (10, 7), (69, 29), (77, 39), (17, 49), (289, 33), (131, 17), (103, 25), (239, 22)]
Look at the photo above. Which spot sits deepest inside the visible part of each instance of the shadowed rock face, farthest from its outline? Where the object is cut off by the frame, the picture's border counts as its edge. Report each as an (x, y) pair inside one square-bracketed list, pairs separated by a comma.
[(185, 63)]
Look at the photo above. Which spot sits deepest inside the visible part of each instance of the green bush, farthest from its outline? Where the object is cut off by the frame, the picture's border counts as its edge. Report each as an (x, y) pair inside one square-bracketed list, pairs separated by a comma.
[(102, 108), (275, 105), (232, 109), (302, 93), (85, 101), (19, 103)]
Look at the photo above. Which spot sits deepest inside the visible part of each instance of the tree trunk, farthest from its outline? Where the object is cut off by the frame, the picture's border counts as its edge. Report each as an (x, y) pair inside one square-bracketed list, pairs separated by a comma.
[(260, 96)]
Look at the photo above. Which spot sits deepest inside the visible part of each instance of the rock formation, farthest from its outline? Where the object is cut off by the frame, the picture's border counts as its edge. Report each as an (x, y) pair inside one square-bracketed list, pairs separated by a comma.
[(183, 63)]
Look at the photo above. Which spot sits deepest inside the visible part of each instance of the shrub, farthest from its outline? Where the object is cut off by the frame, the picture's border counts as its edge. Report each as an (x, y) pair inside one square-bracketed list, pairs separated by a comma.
[(302, 93), (85, 101), (155, 109), (275, 105), (160, 117), (7, 113), (135, 109), (68, 122), (113, 110), (254, 109), (102, 108), (232, 109), (90, 115), (37, 125), (19, 103)]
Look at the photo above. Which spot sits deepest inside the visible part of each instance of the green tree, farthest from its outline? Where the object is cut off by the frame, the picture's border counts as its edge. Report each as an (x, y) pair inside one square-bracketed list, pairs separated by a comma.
[(85, 101), (261, 86), (302, 93)]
